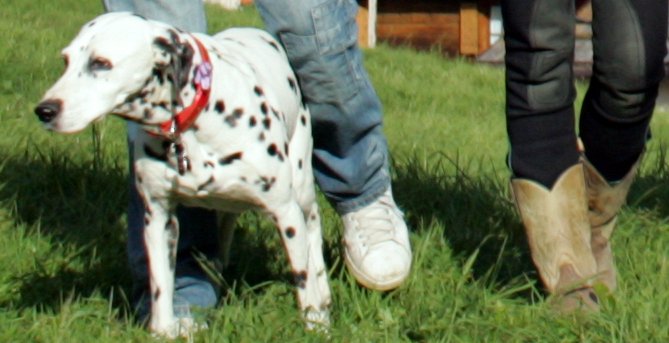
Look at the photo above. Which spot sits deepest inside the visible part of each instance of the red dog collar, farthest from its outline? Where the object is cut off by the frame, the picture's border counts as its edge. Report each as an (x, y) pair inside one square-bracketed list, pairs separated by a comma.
[(181, 121)]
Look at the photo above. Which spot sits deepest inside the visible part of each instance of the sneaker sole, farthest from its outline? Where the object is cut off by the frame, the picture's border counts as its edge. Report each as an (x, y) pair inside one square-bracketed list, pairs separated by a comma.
[(362, 279)]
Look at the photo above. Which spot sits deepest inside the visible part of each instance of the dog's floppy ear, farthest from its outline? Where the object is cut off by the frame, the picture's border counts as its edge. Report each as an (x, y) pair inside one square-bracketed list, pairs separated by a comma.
[(162, 52), (171, 52)]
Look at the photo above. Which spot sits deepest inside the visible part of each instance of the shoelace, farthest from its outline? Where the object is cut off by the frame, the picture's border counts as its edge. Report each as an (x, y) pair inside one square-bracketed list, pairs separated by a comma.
[(375, 223)]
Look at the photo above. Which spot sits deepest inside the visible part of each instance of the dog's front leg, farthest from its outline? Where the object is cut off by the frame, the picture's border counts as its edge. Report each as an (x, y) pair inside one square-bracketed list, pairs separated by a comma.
[(161, 234)]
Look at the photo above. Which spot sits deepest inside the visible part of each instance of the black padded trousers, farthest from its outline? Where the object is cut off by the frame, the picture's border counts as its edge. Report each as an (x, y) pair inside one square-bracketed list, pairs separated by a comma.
[(629, 45)]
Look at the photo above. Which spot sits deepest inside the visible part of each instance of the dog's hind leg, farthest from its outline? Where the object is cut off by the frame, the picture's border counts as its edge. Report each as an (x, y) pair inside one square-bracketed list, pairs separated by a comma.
[(316, 261), (313, 301)]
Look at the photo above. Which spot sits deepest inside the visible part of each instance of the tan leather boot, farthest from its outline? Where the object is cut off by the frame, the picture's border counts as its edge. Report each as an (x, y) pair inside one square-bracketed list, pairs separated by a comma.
[(604, 202), (558, 232)]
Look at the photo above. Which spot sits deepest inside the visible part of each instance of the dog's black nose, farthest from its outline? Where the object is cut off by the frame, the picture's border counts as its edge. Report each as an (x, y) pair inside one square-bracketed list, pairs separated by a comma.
[(48, 109)]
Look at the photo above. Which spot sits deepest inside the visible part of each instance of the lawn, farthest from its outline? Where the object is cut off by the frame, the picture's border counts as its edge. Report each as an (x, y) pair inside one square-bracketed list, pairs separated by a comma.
[(63, 199)]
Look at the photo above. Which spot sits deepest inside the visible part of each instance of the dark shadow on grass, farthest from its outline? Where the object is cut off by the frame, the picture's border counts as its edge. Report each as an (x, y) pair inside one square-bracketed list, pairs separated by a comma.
[(476, 212), (74, 205), (650, 191), (479, 215), (82, 206)]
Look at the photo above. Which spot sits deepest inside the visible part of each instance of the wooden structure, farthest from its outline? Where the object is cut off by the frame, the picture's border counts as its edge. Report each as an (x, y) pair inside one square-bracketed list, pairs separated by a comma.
[(455, 27)]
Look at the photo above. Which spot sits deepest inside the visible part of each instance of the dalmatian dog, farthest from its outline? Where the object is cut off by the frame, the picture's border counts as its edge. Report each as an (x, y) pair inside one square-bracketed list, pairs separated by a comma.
[(219, 123)]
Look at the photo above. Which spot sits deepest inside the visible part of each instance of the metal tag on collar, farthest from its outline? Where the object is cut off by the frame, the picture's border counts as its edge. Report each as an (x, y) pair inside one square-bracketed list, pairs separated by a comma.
[(182, 157), (179, 151)]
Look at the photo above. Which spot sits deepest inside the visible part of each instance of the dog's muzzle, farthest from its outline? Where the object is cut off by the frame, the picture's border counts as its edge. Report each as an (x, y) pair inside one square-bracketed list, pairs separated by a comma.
[(48, 109)]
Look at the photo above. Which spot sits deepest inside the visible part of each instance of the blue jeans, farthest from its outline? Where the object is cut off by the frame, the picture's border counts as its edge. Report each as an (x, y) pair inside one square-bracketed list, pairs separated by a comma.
[(350, 151)]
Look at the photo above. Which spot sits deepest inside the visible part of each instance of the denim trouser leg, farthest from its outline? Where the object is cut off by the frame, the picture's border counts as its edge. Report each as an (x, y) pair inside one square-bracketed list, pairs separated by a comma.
[(350, 150), (187, 15), (197, 226)]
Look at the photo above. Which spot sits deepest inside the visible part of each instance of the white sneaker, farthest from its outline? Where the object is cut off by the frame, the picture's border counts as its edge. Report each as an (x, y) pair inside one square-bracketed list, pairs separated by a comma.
[(376, 244)]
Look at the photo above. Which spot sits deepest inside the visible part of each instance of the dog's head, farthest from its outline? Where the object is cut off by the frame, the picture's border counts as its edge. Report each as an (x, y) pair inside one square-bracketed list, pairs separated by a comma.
[(119, 63)]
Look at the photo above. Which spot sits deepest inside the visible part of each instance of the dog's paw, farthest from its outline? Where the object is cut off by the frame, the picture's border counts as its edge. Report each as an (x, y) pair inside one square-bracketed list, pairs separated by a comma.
[(180, 328), (317, 320)]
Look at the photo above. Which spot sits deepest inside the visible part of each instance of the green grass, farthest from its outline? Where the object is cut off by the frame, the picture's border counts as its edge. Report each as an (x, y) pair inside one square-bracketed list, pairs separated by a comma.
[(64, 276)]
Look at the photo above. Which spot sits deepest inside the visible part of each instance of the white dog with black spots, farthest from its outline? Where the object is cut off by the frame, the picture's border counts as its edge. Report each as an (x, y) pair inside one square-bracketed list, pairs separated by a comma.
[(220, 124)]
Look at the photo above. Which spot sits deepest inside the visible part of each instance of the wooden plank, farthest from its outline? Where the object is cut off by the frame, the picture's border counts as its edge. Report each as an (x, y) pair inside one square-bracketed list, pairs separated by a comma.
[(483, 26), (422, 36), (425, 6), (469, 25), (362, 19), (436, 19), (420, 30)]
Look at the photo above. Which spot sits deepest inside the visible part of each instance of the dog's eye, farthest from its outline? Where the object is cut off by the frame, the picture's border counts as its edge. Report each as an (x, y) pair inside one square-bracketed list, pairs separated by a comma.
[(99, 64)]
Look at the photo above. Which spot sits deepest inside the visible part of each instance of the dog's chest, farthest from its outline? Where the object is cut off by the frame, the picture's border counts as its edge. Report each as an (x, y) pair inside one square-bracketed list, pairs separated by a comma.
[(233, 158), (236, 152)]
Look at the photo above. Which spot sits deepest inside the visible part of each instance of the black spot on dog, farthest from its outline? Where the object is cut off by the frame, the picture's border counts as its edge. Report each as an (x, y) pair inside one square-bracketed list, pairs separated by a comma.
[(292, 84), (158, 75), (258, 90), (232, 118), (285, 148), (252, 121), (276, 114), (299, 164), (303, 120), (300, 279), (263, 108), (207, 183), (266, 122), (156, 294), (266, 183), (148, 113), (147, 208), (290, 232), (230, 158), (273, 45), (219, 106), (261, 137), (162, 104), (209, 164), (172, 229), (271, 149)]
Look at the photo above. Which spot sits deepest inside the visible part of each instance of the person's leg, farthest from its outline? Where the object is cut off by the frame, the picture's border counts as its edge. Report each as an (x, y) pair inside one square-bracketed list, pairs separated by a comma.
[(548, 181), (629, 45), (186, 15), (540, 91), (350, 150), (629, 48), (198, 227)]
